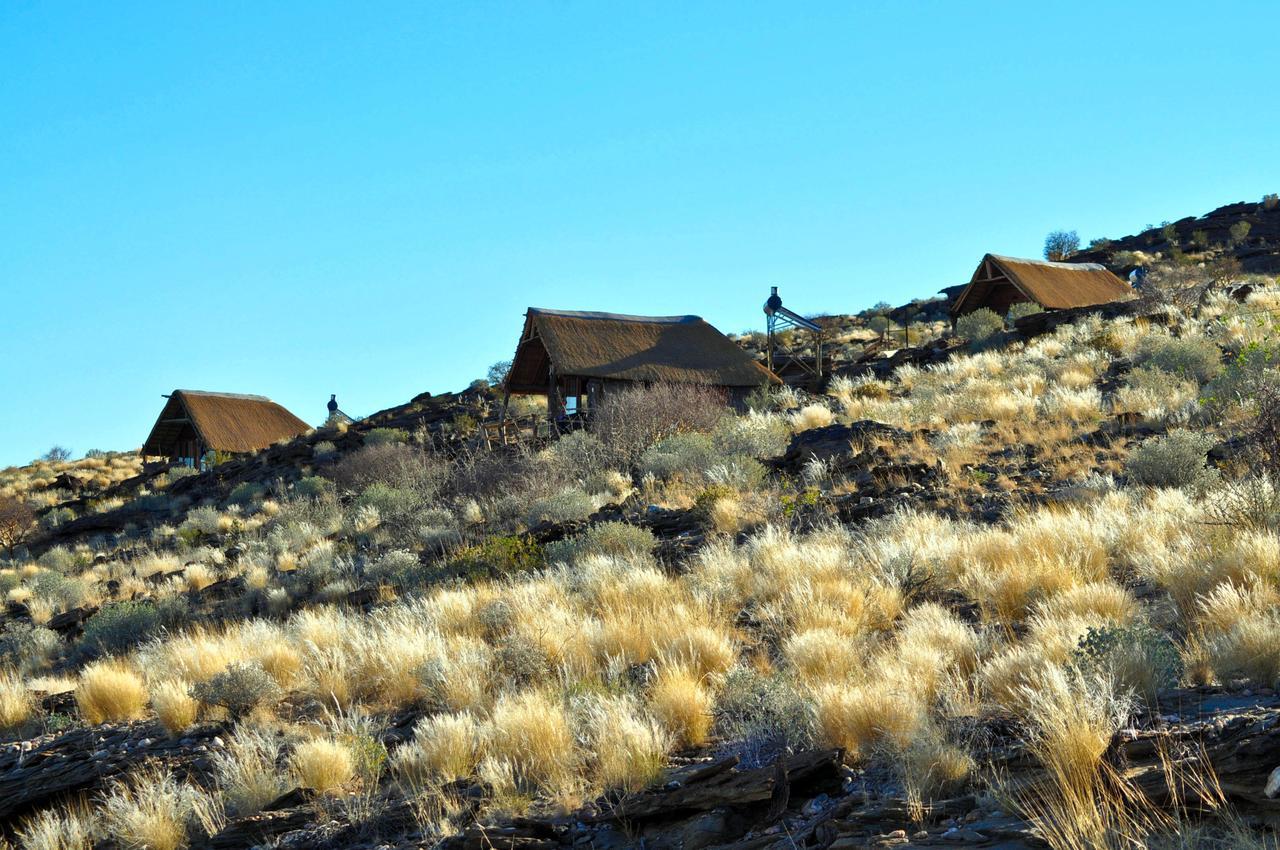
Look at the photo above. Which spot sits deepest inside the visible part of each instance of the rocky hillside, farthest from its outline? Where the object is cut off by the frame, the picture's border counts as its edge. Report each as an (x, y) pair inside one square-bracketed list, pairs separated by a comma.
[(1010, 592), (1247, 231)]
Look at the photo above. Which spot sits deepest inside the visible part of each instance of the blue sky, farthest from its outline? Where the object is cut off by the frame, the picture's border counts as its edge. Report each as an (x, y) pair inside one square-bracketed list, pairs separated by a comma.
[(298, 199)]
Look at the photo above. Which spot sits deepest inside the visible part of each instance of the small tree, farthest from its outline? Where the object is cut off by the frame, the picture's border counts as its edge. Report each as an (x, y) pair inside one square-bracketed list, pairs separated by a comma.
[(1022, 309), (880, 324), (58, 454), (979, 327), (1061, 244), (498, 373), (16, 521), (1240, 232)]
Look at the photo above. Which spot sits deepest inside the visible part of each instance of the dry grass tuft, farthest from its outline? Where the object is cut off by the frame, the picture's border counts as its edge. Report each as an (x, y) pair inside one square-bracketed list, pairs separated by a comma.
[(110, 691), (445, 747), (865, 717), (322, 765), (532, 732), (682, 704), (247, 770), (16, 703), (174, 706), (149, 811), (53, 829)]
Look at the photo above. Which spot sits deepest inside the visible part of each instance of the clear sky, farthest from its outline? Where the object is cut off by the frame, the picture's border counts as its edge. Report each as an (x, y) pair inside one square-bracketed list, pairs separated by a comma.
[(298, 199)]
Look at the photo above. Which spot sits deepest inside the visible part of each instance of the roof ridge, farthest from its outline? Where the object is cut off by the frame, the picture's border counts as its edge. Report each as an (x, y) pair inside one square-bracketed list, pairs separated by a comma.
[(245, 396), (1074, 267), (613, 317)]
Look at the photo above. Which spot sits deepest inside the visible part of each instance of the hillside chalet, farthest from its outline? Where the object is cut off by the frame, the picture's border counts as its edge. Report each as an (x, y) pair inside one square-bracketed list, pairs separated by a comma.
[(1000, 282), (193, 424), (576, 358)]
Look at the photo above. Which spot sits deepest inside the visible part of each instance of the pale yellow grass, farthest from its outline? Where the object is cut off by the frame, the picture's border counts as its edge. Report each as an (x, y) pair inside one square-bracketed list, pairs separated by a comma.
[(57, 829), (149, 811), (532, 732), (864, 717), (628, 746), (16, 704), (682, 703), (110, 691), (445, 747), (174, 706), (322, 765), (247, 771)]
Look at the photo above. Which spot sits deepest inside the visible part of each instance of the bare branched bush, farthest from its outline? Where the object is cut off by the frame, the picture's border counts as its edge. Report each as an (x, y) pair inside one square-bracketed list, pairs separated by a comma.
[(16, 522), (393, 464), (1187, 287), (632, 419)]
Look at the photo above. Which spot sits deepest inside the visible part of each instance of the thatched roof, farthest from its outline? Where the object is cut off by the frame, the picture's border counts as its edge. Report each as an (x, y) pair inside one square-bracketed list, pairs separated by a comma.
[(1054, 286), (651, 349), (225, 422)]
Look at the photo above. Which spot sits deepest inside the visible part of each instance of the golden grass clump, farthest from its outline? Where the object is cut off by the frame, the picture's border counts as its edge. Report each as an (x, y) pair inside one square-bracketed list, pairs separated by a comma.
[(322, 765), (17, 706), (1072, 720), (682, 703), (811, 416), (532, 732), (174, 706), (445, 747), (823, 654), (1004, 678), (867, 716), (197, 577), (629, 746), (1250, 648), (110, 691)]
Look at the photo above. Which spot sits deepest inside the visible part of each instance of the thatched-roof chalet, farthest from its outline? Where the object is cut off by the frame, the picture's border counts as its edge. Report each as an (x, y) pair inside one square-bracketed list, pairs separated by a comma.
[(1000, 282), (577, 356), (193, 423)]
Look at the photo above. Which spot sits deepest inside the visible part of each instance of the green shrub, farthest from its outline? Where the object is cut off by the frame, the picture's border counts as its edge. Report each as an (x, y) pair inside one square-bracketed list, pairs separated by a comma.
[(1251, 503), (118, 627), (324, 450), (26, 647), (755, 436), (245, 493), (385, 436), (979, 327), (619, 539), (239, 689), (312, 487), (1193, 358), (176, 472), (1253, 372), (499, 556), (580, 452), (1136, 656), (568, 505), (1176, 459), (58, 590), (60, 560), (56, 517), (1021, 310), (762, 716), (399, 566)]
